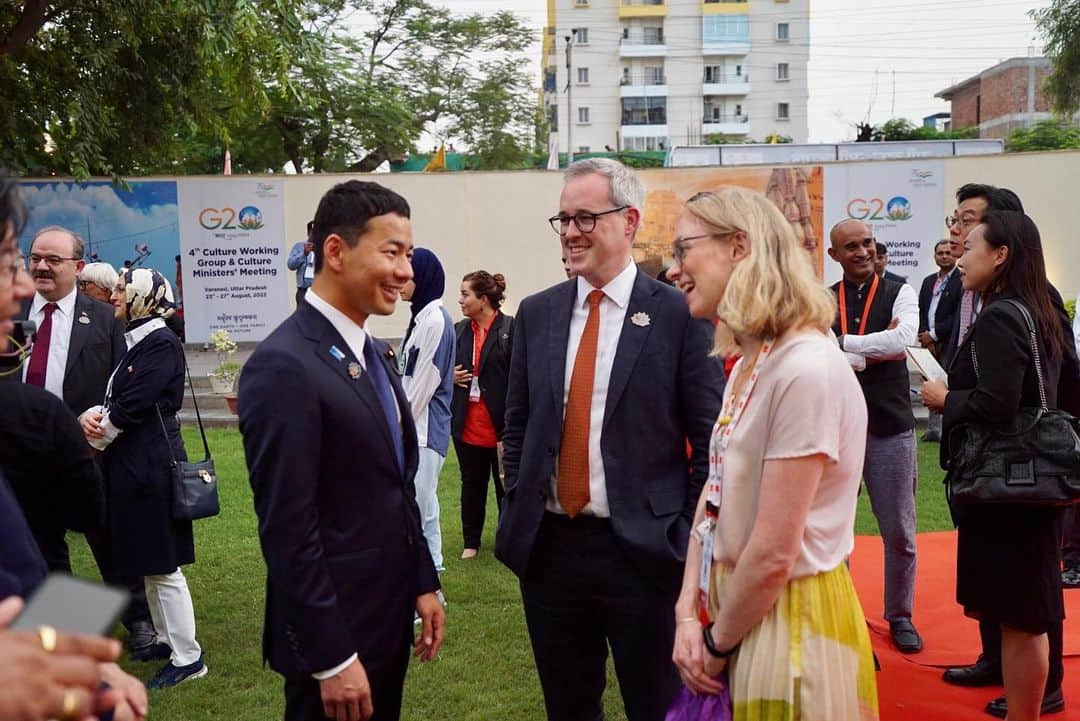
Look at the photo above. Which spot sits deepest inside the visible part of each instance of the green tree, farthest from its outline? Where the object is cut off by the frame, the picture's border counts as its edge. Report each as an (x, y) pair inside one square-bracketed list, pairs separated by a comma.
[(904, 129), (1044, 135), (1059, 24)]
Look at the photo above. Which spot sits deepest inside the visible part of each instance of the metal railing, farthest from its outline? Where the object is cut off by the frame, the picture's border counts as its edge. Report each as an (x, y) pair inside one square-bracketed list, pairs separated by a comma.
[(713, 119), (642, 79)]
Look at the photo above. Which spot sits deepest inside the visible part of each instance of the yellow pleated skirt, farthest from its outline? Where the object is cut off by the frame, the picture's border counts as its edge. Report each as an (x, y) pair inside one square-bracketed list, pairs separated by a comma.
[(809, 659)]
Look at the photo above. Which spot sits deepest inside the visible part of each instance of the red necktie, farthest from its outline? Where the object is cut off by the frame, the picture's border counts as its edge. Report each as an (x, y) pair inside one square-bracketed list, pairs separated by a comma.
[(573, 482), (39, 359)]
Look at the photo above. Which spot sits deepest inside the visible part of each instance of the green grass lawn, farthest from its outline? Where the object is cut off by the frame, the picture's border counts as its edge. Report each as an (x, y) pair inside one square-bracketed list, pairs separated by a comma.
[(485, 671)]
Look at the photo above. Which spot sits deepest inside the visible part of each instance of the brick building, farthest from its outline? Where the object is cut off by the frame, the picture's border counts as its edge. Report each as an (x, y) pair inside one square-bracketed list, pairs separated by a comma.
[(1002, 98)]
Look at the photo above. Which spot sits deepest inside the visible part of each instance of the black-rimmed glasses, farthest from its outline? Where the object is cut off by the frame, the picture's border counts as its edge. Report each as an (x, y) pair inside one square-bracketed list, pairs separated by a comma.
[(584, 220), (51, 260)]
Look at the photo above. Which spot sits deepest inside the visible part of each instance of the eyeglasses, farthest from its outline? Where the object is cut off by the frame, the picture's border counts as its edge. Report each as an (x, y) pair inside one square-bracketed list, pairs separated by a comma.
[(952, 221), (682, 245), (584, 220), (51, 260)]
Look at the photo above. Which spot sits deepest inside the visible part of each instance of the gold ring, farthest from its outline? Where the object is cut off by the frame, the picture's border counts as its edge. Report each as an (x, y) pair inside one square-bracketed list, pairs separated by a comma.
[(68, 711), (47, 634)]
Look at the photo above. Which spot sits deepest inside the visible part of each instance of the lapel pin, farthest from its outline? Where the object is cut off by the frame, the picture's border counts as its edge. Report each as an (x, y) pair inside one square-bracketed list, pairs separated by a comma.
[(336, 352), (354, 370), (640, 319), (131, 369), (84, 318)]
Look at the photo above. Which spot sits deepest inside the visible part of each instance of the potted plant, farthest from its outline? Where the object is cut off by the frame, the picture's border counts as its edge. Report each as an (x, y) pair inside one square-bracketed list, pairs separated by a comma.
[(223, 378)]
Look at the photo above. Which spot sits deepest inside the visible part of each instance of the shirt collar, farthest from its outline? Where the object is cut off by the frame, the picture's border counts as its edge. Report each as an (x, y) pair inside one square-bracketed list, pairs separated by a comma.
[(65, 305), (618, 290), (142, 330), (354, 335)]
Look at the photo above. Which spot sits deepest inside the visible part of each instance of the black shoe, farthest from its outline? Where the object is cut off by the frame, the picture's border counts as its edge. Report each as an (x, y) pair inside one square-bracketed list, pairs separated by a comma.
[(981, 673), (141, 636), (905, 636), (1052, 702), (153, 652), (931, 437)]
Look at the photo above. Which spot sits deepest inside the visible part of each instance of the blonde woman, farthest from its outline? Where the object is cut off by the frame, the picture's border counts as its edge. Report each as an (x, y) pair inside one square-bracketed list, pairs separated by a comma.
[(766, 594)]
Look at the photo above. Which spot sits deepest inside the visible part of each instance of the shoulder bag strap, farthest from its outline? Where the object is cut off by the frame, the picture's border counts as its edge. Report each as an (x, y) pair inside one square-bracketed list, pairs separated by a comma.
[(1034, 348), (198, 417)]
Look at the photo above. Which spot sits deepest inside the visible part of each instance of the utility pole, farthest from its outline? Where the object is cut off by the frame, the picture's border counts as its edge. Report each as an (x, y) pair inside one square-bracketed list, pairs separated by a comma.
[(569, 105)]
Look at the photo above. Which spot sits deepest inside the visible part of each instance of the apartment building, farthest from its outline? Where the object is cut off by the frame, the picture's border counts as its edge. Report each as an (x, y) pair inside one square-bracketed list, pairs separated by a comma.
[(1002, 98), (649, 74)]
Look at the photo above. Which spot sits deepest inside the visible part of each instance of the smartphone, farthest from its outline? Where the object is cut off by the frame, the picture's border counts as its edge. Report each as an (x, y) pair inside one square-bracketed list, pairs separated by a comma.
[(73, 605)]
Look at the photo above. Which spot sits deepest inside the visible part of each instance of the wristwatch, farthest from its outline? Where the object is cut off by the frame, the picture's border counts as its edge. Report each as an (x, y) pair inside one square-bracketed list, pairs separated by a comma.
[(710, 644)]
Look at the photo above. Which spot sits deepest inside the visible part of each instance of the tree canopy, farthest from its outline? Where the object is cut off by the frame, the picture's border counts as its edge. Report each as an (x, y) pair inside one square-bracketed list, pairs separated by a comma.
[(130, 87), (1059, 23)]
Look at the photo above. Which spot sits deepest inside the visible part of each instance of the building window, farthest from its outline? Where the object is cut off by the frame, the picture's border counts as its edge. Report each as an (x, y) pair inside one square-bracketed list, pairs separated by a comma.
[(738, 109), (583, 116), (725, 29), (553, 118), (644, 111), (583, 148), (581, 3), (626, 33), (650, 143), (712, 73), (653, 35), (783, 32), (581, 35), (783, 111), (654, 74), (783, 71), (582, 76)]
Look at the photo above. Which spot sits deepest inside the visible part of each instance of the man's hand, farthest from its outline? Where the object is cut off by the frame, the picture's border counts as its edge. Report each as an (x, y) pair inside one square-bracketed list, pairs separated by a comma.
[(308, 247), (433, 615), (934, 394), (131, 690), (347, 696), (462, 377)]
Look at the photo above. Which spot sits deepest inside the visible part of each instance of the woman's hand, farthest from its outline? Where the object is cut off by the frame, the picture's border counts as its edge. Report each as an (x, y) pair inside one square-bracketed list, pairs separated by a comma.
[(690, 658), (934, 394), (462, 377), (91, 424)]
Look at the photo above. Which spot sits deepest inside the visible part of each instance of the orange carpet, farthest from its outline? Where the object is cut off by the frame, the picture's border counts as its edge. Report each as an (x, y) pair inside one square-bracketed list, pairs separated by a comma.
[(910, 687)]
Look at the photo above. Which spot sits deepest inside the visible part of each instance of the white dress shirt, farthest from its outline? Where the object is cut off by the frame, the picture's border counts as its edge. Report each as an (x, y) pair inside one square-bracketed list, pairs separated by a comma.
[(887, 344), (59, 339), (935, 300), (612, 316)]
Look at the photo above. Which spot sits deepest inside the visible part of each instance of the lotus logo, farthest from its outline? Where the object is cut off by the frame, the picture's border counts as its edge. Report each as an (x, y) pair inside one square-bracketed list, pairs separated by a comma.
[(250, 218), (898, 208)]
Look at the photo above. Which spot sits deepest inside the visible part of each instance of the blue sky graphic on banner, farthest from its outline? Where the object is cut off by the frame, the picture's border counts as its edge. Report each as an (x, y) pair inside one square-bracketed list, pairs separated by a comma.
[(140, 224)]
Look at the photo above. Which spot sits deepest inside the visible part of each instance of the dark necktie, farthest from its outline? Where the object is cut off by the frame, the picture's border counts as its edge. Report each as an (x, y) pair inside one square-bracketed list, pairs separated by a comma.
[(573, 481), (39, 358), (381, 381)]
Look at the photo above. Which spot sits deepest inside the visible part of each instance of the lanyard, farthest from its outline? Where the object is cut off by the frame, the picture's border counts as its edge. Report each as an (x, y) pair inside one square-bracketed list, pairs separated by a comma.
[(866, 308), (721, 437), (479, 338)]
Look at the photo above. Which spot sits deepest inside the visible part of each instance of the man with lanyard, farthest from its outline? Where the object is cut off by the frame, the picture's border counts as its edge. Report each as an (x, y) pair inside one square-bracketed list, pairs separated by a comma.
[(939, 300), (878, 319), (302, 260)]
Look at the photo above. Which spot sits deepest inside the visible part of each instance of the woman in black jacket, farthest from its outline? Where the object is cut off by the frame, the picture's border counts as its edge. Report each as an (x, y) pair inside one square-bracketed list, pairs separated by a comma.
[(1008, 556), (139, 433), (483, 366)]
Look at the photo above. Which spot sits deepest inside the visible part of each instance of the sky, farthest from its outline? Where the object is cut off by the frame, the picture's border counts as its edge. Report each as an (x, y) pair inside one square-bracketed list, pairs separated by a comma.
[(875, 59)]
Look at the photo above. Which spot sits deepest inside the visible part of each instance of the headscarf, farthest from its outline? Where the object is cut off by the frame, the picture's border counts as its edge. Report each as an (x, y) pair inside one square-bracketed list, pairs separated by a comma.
[(149, 295), (430, 281)]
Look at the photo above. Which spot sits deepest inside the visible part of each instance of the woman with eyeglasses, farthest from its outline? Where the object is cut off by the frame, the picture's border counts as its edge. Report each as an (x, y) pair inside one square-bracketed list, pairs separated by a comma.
[(97, 280), (139, 434), (766, 593)]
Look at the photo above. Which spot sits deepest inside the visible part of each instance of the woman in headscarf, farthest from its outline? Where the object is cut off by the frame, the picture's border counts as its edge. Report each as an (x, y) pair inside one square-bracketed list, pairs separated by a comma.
[(427, 365), (139, 433)]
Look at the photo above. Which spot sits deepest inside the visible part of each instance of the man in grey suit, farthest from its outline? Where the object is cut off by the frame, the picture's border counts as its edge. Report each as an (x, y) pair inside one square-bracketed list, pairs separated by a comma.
[(79, 343), (609, 379)]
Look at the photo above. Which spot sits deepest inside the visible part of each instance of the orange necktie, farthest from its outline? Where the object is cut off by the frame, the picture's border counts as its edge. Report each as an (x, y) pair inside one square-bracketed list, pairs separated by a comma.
[(573, 485)]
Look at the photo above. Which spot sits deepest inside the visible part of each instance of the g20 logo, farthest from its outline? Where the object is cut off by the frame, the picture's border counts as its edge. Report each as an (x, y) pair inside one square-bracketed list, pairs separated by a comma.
[(897, 208), (248, 218)]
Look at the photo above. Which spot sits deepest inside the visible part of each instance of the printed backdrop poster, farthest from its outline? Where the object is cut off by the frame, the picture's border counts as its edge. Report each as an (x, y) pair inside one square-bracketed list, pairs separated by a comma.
[(233, 257), (902, 202)]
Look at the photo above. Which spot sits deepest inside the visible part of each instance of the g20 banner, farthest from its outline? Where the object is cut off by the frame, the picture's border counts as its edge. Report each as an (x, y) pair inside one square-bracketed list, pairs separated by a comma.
[(903, 204), (232, 258)]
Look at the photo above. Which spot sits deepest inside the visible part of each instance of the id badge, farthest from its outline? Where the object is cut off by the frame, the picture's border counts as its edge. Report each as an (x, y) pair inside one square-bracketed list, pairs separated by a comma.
[(474, 390), (309, 271), (706, 574)]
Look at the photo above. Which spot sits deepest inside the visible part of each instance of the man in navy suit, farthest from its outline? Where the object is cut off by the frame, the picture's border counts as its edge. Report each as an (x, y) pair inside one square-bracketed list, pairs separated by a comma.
[(939, 299), (340, 530), (609, 378)]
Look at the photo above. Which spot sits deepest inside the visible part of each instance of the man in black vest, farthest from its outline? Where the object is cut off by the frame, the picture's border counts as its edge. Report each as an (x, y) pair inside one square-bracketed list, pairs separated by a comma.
[(878, 319)]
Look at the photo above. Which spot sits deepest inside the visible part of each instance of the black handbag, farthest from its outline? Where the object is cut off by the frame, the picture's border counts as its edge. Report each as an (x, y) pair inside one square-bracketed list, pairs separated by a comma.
[(194, 484), (1034, 459)]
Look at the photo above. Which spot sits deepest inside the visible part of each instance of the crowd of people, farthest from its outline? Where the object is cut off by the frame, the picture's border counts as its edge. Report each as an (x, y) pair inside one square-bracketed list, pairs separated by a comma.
[(676, 462)]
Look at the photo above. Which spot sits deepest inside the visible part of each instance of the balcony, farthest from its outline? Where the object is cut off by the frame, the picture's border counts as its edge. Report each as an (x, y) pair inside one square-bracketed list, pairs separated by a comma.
[(649, 85), (642, 9), (717, 124), (643, 46), (724, 7), (726, 85)]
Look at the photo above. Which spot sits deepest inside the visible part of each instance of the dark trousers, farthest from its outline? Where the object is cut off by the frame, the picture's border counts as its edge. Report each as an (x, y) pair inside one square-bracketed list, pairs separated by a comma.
[(1070, 541), (300, 295), (137, 609), (991, 642), (478, 466), (581, 594), (386, 675)]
